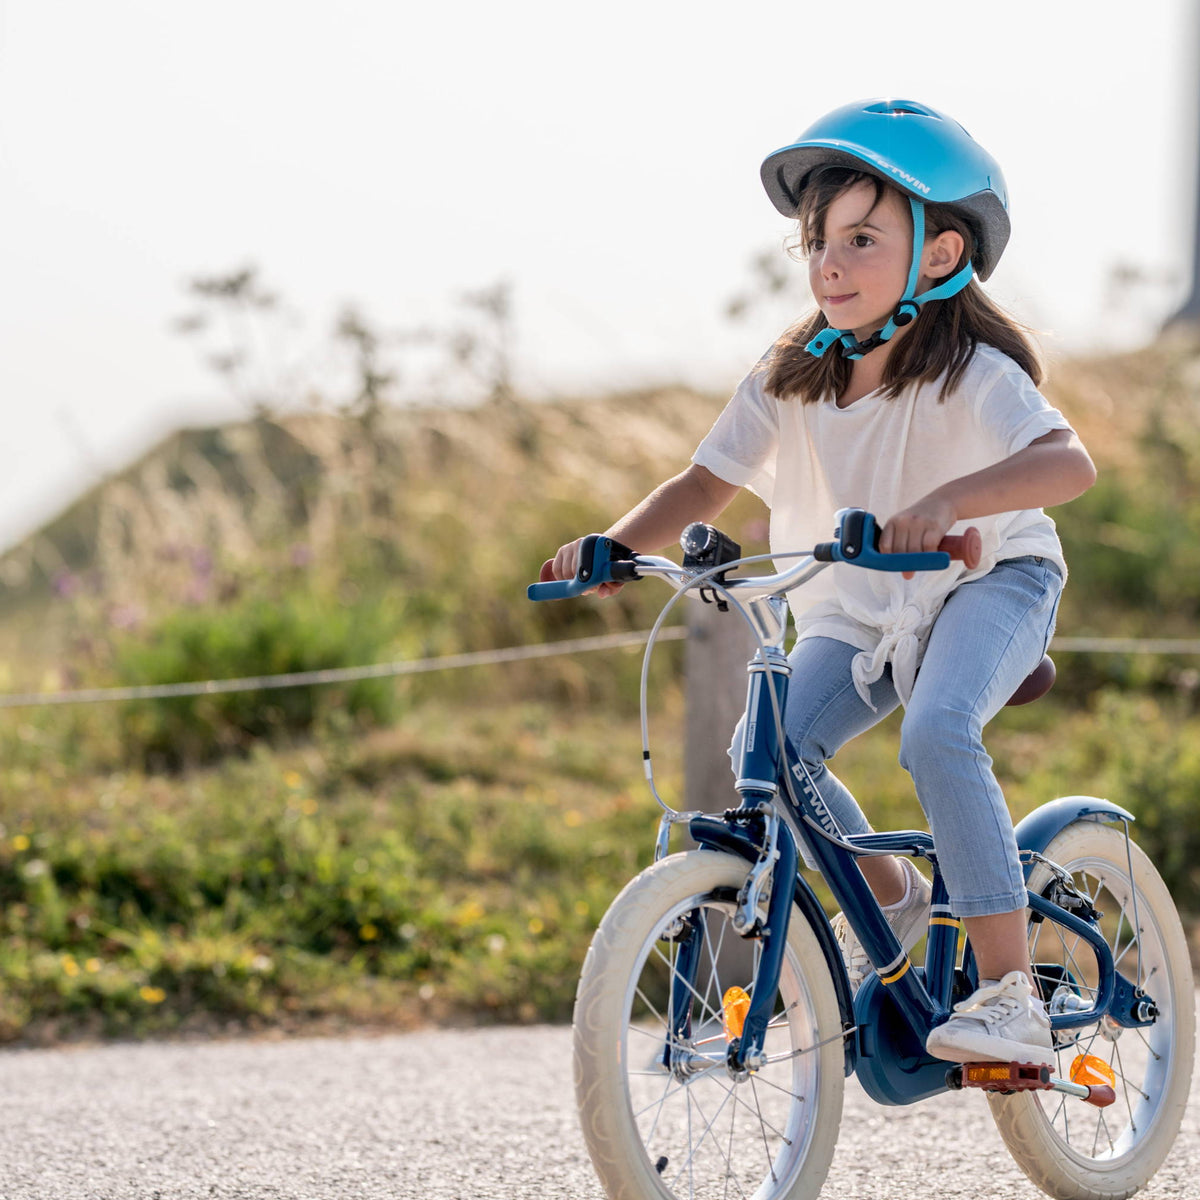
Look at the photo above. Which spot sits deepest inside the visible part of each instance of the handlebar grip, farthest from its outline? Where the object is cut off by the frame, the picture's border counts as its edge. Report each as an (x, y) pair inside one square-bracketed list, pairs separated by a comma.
[(549, 588), (558, 589), (601, 560), (966, 547), (858, 543)]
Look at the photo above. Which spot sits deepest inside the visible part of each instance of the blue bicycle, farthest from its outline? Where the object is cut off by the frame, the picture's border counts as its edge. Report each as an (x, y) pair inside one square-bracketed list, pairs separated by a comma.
[(714, 1021)]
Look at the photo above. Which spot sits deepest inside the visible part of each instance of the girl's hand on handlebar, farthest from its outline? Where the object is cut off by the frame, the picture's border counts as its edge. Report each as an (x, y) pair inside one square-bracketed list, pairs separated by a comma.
[(565, 565), (921, 528), (917, 528)]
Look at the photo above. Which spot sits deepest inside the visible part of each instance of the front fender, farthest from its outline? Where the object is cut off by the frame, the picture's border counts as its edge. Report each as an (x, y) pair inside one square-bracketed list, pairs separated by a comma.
[(1039, 828)]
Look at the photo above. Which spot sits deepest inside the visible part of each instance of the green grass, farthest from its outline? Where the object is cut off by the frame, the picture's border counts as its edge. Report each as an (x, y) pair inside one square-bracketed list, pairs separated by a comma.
[(449, 868)]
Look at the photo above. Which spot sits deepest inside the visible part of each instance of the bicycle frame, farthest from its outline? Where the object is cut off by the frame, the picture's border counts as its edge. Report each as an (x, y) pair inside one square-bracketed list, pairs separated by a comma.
[(895, 1008)]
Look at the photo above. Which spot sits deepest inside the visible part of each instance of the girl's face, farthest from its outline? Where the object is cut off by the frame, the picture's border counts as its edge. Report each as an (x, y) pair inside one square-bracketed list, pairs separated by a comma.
[(858, 265)]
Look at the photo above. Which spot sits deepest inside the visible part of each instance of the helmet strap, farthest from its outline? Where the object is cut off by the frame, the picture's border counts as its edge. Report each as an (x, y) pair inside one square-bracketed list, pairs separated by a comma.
[(908, 307)]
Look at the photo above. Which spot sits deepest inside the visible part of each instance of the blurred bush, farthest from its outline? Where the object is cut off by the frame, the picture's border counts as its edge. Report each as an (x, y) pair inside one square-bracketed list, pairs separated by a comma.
[(252, 636), (1149, 757)]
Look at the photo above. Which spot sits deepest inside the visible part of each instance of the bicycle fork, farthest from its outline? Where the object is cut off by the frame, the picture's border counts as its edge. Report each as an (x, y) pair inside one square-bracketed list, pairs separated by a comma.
[(771, 875)]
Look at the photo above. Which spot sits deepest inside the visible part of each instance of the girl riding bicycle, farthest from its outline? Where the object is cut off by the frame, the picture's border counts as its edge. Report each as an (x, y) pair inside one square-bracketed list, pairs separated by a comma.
[(910, 394)]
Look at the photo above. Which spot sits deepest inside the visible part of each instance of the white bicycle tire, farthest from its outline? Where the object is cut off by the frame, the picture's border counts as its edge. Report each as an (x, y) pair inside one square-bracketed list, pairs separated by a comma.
[(609, 1075), (1067, 1148)]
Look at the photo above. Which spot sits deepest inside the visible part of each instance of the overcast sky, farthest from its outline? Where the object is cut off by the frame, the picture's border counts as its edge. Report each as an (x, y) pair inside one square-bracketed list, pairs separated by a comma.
[(602, 158)]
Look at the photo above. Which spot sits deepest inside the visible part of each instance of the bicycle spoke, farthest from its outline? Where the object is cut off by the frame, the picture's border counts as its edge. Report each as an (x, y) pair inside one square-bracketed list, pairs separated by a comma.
[(756, 1109), (708, 1132), (654, 1011), (763, 1129), (1033, 945), (667, 1093), (690, 1142), (729, 1156), (779, 1088), (780, 1018), (1125, 1078), (713, 957), (837, 1037), (654, 1035), (1117, 958), (1146, 1042), (1087, 1049), (712, 1014), (1053, 1118)]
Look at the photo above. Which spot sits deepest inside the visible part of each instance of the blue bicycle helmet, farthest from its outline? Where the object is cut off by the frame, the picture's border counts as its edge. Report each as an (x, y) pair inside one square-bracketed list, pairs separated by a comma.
[(924, 154)]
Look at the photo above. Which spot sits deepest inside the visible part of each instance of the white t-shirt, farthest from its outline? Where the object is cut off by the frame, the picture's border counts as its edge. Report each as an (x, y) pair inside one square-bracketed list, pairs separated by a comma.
[(807, 461)]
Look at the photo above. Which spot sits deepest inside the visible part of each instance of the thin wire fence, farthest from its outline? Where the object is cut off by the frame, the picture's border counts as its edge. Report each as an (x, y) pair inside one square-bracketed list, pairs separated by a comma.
[(485, 658)]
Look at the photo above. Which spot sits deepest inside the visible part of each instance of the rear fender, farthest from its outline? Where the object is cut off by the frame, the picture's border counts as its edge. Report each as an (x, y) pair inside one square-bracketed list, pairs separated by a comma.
[(1040, 827)]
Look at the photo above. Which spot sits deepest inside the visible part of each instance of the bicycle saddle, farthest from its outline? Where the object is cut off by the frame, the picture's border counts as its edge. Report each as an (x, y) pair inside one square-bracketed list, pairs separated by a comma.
[(1036, 684)]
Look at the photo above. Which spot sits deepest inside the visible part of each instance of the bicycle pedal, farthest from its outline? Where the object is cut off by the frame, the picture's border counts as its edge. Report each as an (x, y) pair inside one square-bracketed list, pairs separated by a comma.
[(1003, 1077)]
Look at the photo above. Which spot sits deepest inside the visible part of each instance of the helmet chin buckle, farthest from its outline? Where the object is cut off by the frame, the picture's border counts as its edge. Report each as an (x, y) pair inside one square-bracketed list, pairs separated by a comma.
[(906, 312)]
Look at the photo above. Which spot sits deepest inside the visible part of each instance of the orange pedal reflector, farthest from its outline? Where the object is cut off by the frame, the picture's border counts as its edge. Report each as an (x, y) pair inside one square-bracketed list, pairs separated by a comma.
[(735, 1004), (1089, 1070), (1006, 1076)]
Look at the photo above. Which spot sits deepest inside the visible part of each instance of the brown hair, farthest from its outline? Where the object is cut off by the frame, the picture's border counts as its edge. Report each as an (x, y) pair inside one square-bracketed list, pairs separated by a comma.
[(940, 341)]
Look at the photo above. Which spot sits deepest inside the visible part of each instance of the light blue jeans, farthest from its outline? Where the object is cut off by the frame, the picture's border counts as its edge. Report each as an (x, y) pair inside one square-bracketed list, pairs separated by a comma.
[(989, 636)]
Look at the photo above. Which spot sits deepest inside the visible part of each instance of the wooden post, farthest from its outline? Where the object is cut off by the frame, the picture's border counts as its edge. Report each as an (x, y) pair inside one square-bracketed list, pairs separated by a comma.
[(719, 645)]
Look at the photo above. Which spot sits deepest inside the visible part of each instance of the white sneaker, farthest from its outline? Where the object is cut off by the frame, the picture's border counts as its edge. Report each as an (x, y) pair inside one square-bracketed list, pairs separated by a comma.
[(908, 917), (999, 1022)]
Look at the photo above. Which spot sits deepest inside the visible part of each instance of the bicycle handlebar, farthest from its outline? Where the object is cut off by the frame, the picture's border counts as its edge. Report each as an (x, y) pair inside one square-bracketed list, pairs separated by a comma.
[(603, 560)]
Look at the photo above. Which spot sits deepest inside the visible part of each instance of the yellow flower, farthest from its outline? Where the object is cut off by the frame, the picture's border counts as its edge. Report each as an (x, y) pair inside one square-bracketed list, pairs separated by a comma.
[(70, 966), (581, 908), (292, 779), (152, 995), (368, 932), (92, 966), (20, 842), (572, 818), (470, 913), (536, 924), (308, 807)]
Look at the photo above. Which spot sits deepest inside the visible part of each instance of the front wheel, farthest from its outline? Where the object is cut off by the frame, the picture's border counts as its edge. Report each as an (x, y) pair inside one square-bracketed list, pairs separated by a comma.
[(693, 1128), (1070, 1149)]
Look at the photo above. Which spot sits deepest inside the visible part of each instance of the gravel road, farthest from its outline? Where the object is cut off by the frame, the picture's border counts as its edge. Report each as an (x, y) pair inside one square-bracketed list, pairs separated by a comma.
[(445, 1115)]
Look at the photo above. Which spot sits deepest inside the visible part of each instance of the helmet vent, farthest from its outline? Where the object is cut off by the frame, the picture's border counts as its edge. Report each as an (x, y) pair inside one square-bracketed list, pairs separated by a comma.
[(900, 108)]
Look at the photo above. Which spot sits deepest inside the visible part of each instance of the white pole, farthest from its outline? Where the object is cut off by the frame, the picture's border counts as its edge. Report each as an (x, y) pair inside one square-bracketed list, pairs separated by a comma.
[(1190, 312)]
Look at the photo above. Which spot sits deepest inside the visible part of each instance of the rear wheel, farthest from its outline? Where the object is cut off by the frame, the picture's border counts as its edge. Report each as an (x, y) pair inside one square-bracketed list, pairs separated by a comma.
[(1070, 1149), (695, 1129)]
